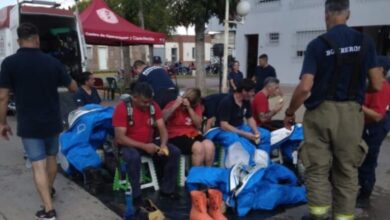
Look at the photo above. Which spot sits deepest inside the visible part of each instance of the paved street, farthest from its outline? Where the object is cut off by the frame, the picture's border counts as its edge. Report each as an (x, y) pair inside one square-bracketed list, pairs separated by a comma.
[(19, 201)]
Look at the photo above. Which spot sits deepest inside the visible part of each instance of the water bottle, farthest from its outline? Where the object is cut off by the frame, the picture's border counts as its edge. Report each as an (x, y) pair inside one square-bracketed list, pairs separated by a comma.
[(129, 214)]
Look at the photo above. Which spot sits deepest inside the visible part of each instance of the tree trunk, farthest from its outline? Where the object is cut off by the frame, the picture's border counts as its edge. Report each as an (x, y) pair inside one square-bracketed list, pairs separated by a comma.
[(200, 79)]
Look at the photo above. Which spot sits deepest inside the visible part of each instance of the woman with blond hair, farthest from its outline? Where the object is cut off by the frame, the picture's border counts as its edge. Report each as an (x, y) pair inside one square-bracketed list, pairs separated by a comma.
[(184, 120)]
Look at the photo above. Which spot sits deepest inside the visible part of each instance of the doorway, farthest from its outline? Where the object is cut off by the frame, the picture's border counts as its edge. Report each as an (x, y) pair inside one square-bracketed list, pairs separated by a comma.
[(103, 57), (251, 57)]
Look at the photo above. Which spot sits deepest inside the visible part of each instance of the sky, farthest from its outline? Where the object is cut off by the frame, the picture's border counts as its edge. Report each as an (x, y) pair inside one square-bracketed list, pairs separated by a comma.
[(65, 3)]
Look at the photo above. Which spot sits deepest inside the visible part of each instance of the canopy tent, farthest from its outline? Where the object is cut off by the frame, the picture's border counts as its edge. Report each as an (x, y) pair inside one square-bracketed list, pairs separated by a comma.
[(102, 26)]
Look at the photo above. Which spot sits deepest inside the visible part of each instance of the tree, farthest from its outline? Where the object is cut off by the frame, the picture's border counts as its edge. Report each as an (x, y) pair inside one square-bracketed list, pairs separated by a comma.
[(198, 13)]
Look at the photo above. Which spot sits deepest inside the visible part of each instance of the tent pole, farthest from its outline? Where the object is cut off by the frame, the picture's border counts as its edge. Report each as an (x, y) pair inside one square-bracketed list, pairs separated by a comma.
[(122, 59)]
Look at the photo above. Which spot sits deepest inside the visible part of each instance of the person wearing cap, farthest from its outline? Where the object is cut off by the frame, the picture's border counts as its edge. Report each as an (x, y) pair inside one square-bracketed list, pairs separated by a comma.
[(34, 77), (377, 125), (163, 87), (156, 61), (332, 86)]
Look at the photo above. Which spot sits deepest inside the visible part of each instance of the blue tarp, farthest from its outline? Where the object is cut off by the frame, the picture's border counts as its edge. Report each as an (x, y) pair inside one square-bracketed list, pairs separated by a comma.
[(86, 134), (266, 189), (226, 139)]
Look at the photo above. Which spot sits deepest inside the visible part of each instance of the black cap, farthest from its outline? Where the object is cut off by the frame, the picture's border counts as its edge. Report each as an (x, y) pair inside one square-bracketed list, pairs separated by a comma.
[(156, 60)]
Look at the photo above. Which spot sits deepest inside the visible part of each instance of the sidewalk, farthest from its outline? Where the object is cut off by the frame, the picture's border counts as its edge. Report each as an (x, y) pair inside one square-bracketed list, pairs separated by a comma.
[(19, 199)]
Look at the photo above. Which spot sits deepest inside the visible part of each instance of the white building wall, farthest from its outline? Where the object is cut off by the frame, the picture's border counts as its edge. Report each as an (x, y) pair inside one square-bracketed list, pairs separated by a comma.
[(187, 52), (287, 17), (168, 51), (207, 49)]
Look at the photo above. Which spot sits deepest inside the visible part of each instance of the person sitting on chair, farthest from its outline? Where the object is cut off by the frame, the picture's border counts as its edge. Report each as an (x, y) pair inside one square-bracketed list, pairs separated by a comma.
[(86, 93), (210, 109), (236, 107), (184, 120), (135, 120), (260, 105)]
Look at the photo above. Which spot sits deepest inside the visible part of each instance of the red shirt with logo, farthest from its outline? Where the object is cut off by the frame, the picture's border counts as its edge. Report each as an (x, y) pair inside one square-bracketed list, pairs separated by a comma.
[(180, 122), (259, 105), (142, 128), (378, 101)]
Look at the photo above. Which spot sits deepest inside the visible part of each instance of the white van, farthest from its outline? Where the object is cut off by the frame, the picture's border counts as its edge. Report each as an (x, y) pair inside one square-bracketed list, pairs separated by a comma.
[(60, 36), (59, 29)]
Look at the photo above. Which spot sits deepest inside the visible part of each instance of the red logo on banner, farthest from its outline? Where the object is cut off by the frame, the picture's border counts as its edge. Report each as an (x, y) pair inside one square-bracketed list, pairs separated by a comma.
[(107, 16)]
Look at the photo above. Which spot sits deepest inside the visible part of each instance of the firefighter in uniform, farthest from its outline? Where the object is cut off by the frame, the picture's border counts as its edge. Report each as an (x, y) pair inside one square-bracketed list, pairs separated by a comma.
[(334, 71)]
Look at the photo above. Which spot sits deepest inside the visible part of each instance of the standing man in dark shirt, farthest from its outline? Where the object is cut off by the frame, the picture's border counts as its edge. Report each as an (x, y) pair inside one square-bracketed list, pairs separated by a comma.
[(163, 87), (235, 77), (87, 93), (34, 77), (263, 71), (334, 74), (235, 107)]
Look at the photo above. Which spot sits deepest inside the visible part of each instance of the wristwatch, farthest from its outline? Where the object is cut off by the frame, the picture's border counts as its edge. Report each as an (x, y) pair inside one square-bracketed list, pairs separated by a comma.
[(288, 113)]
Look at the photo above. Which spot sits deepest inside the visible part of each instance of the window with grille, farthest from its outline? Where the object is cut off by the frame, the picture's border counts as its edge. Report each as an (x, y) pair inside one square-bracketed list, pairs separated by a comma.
[(268, 1), (306, 3), (273, 37), (303, 38), (268, 4)]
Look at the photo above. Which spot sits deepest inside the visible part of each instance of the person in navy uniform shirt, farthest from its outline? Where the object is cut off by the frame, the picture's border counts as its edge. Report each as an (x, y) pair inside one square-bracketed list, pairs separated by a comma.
[(235, 77), (87, 93), (334, 73), (236, 107), (163, 87)]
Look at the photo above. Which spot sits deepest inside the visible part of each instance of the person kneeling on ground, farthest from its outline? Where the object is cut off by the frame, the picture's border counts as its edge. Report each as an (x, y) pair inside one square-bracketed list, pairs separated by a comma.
[(134, 133), (184, 120)]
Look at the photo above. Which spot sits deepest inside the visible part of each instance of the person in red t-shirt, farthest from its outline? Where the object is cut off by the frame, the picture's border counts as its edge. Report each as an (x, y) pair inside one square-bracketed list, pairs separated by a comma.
[(136, 137), (184, 120), (260, 106), (375, 131)]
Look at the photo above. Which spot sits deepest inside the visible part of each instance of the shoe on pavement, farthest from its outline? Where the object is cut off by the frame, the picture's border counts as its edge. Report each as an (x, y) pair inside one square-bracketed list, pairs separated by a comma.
[(43, 215)]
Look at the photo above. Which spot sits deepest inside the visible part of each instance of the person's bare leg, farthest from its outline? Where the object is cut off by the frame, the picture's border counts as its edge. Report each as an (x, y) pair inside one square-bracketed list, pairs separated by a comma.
[(209, 152), (197, 157), (51, 167), (41, 180)]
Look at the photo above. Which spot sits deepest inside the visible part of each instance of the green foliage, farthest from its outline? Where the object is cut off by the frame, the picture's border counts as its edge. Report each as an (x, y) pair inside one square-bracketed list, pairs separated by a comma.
[(187, 12)]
